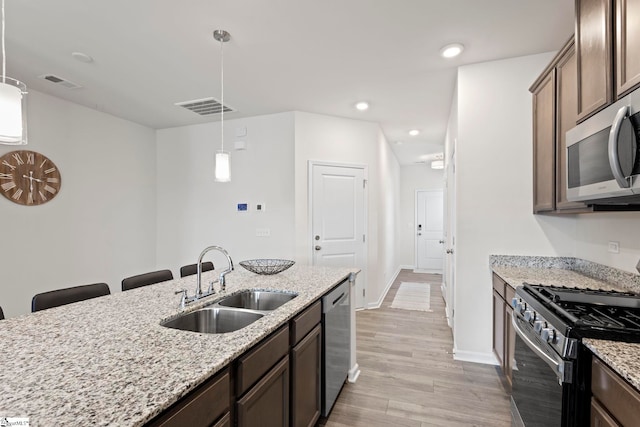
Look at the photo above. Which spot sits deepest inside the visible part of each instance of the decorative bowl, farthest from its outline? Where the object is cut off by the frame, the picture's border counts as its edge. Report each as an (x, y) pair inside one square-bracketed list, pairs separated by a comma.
[(267, 266)]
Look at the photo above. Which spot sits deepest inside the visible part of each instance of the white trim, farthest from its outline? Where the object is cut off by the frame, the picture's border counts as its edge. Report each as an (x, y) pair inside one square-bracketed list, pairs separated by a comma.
[(354, 373), (476, 357), (378, 303), (415, 270), (407, 267)]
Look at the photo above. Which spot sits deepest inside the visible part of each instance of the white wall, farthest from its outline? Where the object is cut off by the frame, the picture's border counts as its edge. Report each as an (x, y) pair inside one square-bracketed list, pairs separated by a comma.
[(101, 226), (595, 230), (194, 211), (413, 178), (333, 139), (494, 182)]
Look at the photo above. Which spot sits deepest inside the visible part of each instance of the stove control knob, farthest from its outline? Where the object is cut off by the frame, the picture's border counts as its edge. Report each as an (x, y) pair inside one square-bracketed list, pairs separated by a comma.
[(548, 335), (514, 302), (521, 306), (529, 315), (538, 325)]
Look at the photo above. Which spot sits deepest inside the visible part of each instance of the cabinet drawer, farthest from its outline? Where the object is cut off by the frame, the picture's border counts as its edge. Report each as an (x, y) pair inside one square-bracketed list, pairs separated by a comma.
[(615, 394), (600, 417), (253, 365), (305, 322), (509, 294), (267, 403), (499, 285), (202, 407)]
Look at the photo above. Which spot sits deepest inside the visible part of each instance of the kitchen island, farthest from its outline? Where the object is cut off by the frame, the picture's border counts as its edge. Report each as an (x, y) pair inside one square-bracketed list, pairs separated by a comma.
[(108, 361)]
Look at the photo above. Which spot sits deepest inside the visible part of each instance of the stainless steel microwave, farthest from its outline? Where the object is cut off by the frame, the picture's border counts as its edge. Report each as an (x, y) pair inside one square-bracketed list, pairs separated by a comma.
[(603, 165)]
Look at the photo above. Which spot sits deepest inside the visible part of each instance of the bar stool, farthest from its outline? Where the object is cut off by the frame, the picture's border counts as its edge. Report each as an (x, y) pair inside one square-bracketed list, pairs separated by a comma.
[(146, 279), (191, 269), (1, 314), (65, 296)]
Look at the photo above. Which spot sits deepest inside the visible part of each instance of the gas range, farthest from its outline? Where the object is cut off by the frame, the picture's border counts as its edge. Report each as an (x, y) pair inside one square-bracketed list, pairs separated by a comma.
[(583, 313), (552, 368)]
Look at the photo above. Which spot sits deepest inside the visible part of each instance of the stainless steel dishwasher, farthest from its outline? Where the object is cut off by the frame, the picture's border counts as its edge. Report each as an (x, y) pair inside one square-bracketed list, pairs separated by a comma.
[(336, 332)]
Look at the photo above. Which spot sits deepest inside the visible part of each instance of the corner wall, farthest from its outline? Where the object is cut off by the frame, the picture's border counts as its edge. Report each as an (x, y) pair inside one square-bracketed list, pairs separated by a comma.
[(101, 226), (339, 140), (493, 192)]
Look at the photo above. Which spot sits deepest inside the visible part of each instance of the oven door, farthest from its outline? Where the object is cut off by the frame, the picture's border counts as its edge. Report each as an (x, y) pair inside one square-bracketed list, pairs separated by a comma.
[(541, 380)]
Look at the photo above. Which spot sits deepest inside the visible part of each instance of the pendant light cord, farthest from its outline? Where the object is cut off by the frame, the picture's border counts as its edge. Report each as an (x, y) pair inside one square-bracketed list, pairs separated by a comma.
[(4, 53), (221, 90)]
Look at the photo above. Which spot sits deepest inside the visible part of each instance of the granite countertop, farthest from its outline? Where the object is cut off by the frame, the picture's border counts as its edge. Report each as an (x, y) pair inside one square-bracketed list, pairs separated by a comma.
[(107, 361), (624, 358)]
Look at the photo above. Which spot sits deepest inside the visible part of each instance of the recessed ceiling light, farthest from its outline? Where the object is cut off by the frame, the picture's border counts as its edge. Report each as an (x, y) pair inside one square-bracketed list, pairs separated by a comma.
[(414, 132), (362, 106), (82, 57), (451, 50)]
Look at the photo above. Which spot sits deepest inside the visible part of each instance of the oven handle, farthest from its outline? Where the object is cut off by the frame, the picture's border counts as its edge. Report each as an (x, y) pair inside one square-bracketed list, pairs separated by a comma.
[(559, 367)]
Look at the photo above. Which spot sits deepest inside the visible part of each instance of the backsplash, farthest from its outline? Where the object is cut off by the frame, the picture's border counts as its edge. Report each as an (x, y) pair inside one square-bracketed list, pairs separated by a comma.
[(594, 270)]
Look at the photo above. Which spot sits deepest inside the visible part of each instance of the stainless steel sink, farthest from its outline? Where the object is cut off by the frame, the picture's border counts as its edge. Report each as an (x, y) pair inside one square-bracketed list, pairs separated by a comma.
[(212, 320), (257, 300)]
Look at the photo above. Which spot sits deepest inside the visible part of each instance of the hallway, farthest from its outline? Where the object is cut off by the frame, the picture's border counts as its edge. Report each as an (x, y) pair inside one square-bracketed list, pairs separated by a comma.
[(408, 375)]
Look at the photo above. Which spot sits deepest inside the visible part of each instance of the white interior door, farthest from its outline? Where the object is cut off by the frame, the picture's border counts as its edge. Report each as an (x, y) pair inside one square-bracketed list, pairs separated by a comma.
[(450, 238), (429, 231), (338, 220)]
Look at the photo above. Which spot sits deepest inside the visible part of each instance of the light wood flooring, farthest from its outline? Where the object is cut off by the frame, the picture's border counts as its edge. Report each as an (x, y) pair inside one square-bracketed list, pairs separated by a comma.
[(408, 375)]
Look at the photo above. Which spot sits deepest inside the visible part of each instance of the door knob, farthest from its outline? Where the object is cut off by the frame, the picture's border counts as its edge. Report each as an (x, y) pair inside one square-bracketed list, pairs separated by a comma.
[(318, 247), (419, 234), (441, 242), (449, 251)]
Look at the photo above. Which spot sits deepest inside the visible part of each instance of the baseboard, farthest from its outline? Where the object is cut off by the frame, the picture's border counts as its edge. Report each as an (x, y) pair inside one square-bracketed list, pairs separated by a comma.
[(476, 357), (378, 303), (407, 267), (416, 270), (354, 373)]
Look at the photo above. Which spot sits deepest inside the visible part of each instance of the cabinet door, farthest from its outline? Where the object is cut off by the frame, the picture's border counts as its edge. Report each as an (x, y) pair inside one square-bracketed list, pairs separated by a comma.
[(594, 58), (267, 403), (566, 118), (305, 380), (509, 343), (498, 327), (627, 45), (544, 145), (600, 417)]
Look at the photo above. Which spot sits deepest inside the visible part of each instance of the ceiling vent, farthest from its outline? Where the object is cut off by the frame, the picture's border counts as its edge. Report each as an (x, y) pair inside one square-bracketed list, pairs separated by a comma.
[(60, 81), (205, 106)]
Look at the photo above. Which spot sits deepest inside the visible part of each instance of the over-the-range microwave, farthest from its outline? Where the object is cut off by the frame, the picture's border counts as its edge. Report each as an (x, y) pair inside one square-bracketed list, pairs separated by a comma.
[(603, 161)]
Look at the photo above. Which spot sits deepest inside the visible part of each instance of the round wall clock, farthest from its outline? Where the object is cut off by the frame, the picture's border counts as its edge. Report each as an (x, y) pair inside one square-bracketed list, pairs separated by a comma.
[(28, 178)]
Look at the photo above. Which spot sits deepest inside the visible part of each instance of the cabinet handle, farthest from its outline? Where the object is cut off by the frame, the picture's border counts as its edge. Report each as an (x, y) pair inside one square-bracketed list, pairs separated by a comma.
[(318, 247)]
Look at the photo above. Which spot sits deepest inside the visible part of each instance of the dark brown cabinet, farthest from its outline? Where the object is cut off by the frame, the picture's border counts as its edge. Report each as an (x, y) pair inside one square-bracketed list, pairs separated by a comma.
[(627, 37), (594, 45), (306, 355), (503, 332), (202, 407), (615, 402), (554, 113), (544, 113), (267, 403)]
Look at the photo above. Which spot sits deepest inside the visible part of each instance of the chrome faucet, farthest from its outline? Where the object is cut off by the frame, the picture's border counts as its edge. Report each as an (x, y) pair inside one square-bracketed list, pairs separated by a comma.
[(199, 293)]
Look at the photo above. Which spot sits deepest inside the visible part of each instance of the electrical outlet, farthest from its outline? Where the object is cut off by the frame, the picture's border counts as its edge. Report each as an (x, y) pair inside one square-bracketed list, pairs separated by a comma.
[(263, 232), (614, 247)]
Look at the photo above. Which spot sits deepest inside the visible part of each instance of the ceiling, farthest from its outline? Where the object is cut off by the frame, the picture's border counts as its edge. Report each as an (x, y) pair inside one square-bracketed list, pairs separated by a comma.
[(319, 56)]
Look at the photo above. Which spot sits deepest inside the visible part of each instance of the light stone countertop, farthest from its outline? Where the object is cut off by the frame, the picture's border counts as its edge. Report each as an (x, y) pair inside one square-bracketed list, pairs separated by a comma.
[(108, 362), (624, 358)]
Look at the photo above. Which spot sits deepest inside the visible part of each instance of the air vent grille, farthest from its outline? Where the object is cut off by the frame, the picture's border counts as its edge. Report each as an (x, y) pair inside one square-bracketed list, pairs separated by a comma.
[(205, 106), (60, 81)]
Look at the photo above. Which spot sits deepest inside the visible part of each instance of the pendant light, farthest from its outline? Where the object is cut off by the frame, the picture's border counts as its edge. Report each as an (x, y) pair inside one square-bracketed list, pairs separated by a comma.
[(223, 160), (13, 105)]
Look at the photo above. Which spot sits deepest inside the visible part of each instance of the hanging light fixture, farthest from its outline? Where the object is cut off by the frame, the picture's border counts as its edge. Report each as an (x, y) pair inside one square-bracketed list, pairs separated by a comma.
[(223, 160), (13, 105)]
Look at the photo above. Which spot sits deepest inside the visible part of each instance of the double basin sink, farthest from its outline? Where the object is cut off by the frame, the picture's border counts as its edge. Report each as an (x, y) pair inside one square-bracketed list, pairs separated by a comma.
[(230, 313)]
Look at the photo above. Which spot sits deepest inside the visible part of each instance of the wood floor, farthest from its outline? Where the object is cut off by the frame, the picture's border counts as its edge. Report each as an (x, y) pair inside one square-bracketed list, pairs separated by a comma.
[(408, 375)]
